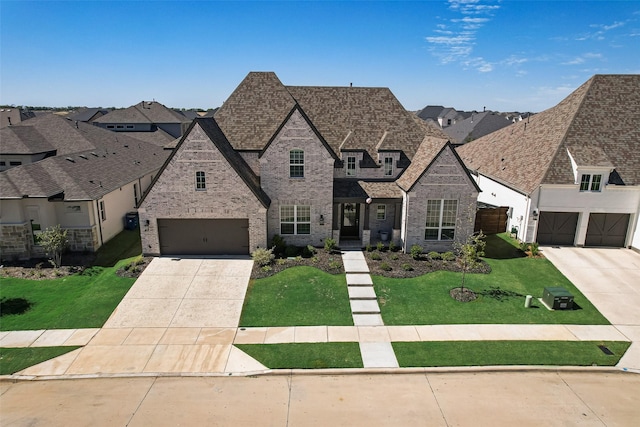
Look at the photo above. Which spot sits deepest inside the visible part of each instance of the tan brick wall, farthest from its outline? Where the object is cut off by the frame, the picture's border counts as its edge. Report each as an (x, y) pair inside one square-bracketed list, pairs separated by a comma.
[(174, 195), (315, 189), (445, 179)]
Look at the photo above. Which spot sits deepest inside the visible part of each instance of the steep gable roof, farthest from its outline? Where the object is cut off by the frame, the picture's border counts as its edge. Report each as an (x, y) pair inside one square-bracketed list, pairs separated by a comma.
[(143, 112), (215, 134), (595, 119), (350, 118)]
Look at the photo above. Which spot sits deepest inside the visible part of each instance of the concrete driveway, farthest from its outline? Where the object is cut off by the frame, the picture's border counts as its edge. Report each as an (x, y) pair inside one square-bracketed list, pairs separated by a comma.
[(181, 315), (610, 279)]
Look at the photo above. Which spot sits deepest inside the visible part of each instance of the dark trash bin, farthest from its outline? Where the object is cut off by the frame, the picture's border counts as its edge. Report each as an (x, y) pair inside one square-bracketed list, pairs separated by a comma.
[(131, 221)]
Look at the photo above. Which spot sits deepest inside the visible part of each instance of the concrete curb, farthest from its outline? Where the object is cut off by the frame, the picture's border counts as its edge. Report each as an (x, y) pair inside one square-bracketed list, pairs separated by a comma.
[(332, 371)]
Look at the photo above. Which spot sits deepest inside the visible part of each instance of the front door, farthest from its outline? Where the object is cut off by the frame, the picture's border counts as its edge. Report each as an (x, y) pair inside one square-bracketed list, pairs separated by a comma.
[(350, 226)]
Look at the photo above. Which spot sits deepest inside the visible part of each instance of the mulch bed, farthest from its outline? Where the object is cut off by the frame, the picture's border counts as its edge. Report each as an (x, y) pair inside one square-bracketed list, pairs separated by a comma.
[(404, 265), (329, 262)]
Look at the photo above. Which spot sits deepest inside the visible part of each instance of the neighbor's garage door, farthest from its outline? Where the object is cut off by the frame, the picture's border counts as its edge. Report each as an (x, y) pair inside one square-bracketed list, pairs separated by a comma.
[(607, 229), (204, 236), (557, 228)]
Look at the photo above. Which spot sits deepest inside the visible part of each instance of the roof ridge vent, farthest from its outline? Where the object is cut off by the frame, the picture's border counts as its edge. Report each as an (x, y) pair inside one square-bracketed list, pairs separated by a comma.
[(82, 156), (70, 160)]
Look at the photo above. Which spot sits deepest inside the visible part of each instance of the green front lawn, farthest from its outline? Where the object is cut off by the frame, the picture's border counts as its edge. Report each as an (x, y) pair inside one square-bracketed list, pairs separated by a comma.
[(305, 355), (13, 360), (425, 300), (492, 353), (298, 296), (80, 301)]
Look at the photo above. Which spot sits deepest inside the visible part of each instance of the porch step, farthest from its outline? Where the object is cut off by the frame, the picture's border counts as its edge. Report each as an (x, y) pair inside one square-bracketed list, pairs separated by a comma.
[(361, 293), (359, 306)]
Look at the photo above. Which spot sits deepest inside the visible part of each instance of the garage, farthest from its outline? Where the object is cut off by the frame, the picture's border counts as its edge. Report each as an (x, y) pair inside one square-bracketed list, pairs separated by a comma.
[(607, 229), (204, 236), (557, 228)]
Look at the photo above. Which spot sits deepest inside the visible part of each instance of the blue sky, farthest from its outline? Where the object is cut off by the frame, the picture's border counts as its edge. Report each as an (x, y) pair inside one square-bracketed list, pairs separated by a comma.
[(467, 54)]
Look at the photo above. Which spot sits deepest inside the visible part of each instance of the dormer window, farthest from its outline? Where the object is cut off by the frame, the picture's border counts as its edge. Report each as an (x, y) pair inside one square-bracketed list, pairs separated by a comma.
[(590, 182), (388, 166), (351, 166)]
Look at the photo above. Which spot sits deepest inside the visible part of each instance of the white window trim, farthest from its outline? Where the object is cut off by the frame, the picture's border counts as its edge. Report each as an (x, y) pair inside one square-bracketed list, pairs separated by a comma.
[(351, 172), (589, 188), (291, 164), (390, 163), (295, 220), (440, 226)]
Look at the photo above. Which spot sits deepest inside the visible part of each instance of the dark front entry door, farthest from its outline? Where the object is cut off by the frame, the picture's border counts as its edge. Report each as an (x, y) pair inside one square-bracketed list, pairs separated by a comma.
[(350, 226)]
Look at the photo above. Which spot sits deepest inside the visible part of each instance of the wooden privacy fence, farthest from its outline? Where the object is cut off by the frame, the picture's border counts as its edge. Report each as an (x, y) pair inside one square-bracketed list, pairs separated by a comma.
[(492, 220)]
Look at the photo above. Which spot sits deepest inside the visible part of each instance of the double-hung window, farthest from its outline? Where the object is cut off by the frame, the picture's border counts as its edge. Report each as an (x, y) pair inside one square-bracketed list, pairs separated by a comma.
[(388, 166), (590, 182), (381, 212), (295, 219), (296, 164), (201, 181), (441, 219), (351, 166), (103, 211)]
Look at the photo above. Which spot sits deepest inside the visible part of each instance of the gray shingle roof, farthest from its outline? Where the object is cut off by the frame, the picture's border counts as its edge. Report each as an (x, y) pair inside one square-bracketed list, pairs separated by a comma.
[(476, 126), (596, 121), (367, 116), (144, 112), (110, 161)]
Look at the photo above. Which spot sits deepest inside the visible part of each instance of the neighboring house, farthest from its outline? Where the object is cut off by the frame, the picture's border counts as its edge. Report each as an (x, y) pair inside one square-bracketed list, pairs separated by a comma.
[(148, 121), (307, 163), (88, 115), (449, 117), (87, 183), (476, 126), (570, 174), (13, 116)]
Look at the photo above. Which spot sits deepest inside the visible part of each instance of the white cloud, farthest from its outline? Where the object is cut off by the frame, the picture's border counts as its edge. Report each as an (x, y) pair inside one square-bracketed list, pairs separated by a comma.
[(455, 40), (583, 58)]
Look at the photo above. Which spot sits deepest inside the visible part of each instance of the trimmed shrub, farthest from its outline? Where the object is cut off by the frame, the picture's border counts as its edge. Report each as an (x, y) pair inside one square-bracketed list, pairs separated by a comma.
[(384, 266), (330, 245), (393, 247), (375, 256), (368, 248), (535, 248), (278, 244), (380, 246), (448, 256), (407, 267), (262, 256), (416, 251), (435, 255), (308, 251), (524, 246), (394, 257), (291, 251), (335, 265)]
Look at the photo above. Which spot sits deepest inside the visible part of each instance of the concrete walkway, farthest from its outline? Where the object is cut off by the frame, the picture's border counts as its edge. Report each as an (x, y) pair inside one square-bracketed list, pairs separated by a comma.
[(375, 349)]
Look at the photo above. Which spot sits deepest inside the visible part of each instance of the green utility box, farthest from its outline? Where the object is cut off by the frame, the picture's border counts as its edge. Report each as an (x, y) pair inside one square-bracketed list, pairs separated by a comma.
[(557, 298)]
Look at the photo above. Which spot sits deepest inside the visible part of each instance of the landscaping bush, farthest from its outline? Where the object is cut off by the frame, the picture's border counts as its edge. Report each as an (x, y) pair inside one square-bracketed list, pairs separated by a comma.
[(416, 251), (394, 257), (291, 251), (368, 248), (535, 248), (448, 256), (375, 256), (330, 245), (393, 247), (384, 266), (308, 251), (380, 246), (335, 265), (263, 257), (278, 244), (435, 255), (524, 246), (407, 267)]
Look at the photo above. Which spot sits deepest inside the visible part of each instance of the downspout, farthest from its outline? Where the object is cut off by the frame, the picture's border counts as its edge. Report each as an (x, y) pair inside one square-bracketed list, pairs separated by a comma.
[(99, 222)]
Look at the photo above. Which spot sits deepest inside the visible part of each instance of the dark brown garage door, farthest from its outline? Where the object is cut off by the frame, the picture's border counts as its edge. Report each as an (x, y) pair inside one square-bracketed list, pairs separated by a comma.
[(204, 236), (607, 229), (557, 228)]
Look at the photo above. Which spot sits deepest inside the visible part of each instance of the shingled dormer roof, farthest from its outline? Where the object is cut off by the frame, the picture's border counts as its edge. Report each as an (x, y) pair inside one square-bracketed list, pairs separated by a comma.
[(595, 121), (351, 118)]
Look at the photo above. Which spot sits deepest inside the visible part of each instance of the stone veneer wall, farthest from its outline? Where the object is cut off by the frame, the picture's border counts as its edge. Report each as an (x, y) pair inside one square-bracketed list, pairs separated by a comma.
[(15, 242), (83, 239), (445, 179), (174, 194), (314, 190)]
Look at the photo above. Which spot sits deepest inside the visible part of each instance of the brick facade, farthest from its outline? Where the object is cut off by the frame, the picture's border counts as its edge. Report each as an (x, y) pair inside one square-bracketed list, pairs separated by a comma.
[(315, 189), (445, 179), (174, 194)]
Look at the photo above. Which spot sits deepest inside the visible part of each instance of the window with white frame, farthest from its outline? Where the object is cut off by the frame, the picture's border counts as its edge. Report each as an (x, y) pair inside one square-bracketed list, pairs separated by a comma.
[(351, 166), (296, 164), (381, 212), (201, 181), (295, 219), (590, 182), (388, 166), (441, 219)]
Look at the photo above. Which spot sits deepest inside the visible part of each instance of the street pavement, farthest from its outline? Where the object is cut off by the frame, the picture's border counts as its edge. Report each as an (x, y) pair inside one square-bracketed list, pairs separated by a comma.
[(426, 399)]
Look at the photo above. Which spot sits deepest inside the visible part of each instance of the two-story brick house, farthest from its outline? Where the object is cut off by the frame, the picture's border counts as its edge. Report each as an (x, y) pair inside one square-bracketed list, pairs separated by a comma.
[(307, 163)]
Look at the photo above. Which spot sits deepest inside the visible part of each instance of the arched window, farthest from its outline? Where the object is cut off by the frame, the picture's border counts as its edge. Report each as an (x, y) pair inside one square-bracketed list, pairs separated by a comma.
[(296, 164)]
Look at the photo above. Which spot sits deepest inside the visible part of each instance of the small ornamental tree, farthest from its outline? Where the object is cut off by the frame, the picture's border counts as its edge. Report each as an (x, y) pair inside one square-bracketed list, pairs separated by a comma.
[(470, 252), (54, 241)]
